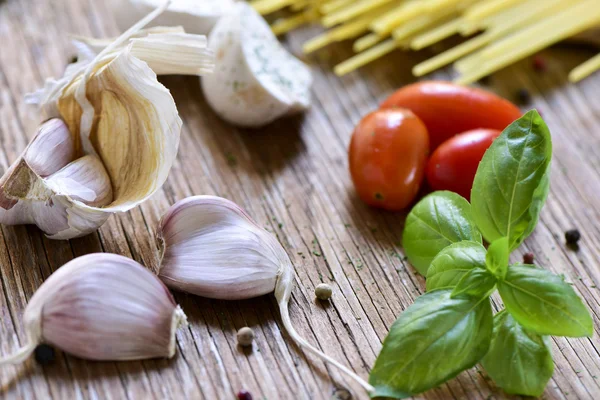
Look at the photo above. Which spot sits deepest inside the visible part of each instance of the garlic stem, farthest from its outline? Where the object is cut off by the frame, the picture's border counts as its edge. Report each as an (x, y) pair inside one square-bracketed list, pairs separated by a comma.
[(287, 323), (21, 355)]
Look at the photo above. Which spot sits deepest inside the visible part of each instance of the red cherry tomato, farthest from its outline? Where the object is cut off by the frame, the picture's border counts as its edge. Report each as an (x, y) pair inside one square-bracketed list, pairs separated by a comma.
[(447, 109), (388, 155), (453, 165)]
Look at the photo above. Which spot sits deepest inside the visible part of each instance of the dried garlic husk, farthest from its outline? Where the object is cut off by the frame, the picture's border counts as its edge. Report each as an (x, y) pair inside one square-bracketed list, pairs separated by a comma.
[(102, 307), (117, 113), (256, 80), (167, 50), (196, 16), (211, 247)]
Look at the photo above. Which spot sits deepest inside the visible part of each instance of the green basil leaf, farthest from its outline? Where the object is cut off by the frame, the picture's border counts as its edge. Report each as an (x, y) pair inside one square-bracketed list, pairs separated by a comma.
[(544, 303), (438, 220), (453, 262), (519, 361), (511, 183), (432, 341), (477, 283), (497, 256)]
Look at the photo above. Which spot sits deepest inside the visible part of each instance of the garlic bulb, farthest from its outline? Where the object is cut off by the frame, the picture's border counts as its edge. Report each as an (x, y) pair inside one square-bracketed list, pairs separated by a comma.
[(210, 247), (195, 16), (256, 80), (122, 133), (102, 307)]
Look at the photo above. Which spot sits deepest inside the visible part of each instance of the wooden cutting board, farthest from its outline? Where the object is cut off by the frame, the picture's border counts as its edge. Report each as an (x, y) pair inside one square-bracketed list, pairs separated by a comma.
[(292, 178)]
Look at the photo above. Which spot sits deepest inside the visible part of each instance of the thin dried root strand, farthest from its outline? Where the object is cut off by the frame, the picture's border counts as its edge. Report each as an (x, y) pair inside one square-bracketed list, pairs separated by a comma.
[(21, 355), (287, 323)]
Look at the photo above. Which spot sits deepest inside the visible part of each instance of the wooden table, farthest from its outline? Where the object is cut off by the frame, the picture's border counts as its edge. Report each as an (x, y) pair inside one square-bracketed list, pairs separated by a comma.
[(292, 177)]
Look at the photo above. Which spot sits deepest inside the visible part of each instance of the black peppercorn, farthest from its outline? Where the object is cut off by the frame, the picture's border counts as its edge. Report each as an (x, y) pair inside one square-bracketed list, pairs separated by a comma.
[(244, 395), (528, 258), (572, 236), (523, 96), (44, 354)]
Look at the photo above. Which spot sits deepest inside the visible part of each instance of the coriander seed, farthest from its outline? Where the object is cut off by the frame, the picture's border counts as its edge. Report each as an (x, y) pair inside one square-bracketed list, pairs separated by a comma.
[(323, 291), (245, 336)]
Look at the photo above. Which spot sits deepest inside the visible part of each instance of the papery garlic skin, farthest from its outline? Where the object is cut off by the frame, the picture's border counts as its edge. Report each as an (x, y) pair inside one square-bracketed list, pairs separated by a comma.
[(166, 50), (196, 16), (256, 80), (211, 248), (102, 307)]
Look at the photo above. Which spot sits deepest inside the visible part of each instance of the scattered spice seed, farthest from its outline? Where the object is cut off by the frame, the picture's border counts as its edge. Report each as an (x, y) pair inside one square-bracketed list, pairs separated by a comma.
[(44, 354), (323, 291), (523, 96), (539, 64), (245, 336), (378, 196), (486, 80), (244, 395), (572, 236), (528, 258)]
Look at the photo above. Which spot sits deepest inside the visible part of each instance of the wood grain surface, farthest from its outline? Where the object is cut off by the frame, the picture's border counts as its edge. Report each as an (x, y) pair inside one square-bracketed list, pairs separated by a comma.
[(292, 177)]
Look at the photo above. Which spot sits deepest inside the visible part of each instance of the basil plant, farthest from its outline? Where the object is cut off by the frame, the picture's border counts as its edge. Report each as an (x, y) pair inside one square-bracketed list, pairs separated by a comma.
[(451, 327)]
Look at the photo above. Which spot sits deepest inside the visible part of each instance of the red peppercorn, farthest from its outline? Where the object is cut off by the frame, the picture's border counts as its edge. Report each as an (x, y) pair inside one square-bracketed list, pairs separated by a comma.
[(539, 64), (244, 395), (528, 258)]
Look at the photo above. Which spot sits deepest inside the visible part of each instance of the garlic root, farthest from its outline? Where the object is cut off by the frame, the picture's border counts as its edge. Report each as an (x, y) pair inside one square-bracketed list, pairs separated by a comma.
[(102, 307), (210, 247)]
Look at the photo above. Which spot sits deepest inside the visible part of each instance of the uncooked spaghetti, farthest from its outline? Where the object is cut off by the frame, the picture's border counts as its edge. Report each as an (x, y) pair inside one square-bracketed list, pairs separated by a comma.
[(506, 30)]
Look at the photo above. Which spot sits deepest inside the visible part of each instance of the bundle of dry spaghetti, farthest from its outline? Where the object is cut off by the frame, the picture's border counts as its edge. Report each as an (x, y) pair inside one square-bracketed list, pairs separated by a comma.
[(501, 31)]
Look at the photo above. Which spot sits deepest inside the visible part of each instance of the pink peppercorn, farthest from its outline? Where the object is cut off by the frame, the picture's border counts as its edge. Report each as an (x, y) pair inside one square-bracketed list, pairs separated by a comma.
[(528, 258), (244, 395), (539, 63)]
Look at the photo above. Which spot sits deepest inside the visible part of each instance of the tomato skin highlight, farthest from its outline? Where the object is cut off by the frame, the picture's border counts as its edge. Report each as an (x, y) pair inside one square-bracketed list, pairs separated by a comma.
[(447, 109), (453, 165), (387, 156)]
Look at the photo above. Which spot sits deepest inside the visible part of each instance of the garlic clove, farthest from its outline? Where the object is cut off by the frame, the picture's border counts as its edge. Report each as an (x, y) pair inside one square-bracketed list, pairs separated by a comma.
[(201, 237), (211, 247), (195, 16), (256, 80), (52, 148), (102, 307), (85, 180)]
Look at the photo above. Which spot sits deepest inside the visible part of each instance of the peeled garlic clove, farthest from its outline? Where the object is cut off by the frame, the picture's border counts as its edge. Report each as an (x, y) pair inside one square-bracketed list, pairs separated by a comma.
[(85, 180), (256, 80), (52, 148), (115, 110), (211, 247), (195, 16), (102, 307)]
